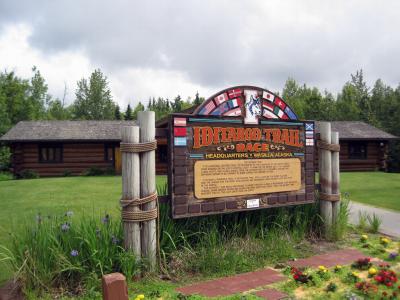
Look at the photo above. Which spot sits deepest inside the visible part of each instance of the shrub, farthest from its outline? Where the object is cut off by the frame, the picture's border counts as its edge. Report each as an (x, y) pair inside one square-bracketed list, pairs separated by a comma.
[(375, 223), (67, 173), (57, 252), (93, 171), (28, 174), (5, 158), (109, 171)]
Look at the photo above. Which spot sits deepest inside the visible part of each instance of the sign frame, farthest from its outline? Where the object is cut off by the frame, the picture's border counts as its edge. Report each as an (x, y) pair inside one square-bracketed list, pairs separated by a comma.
[(181, 159)]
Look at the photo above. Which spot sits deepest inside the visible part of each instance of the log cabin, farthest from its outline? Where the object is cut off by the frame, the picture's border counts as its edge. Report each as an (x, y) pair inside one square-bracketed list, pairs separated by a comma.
[(57, 148)]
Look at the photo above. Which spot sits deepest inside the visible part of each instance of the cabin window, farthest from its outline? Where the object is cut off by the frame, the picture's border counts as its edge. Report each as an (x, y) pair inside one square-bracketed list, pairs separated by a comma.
[(50, 153), (109, 152), (162, 153), (358, 150)]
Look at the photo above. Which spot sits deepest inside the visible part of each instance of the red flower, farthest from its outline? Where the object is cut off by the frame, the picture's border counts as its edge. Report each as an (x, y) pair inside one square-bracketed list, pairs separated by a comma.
[(389, 284), (295, 276)]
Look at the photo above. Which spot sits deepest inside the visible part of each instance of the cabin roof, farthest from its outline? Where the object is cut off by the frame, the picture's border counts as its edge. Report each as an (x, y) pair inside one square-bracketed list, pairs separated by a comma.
[(357, 130), (31, 131), (65, 130)]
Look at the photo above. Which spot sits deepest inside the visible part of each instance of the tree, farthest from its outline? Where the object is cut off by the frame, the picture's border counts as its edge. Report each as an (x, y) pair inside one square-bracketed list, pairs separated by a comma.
[(177, 104), (128, 113), (117, 113), (38, 96), (138, 107), (57, 111), (93, 99)]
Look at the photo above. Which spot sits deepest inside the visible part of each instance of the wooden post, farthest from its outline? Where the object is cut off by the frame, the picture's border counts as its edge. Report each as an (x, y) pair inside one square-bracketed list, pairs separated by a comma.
[(146, 121), (131, 188), (325, 174), (335, 177)]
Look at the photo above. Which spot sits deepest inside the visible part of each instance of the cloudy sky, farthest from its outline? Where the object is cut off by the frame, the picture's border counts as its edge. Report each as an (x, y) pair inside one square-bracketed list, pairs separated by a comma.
[(164, 48)]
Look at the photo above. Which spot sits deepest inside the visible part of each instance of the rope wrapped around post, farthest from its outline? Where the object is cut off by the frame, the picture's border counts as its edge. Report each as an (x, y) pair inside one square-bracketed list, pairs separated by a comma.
[(333, 148), (128, 213), (138, 147), (329, 197), (326, 146)]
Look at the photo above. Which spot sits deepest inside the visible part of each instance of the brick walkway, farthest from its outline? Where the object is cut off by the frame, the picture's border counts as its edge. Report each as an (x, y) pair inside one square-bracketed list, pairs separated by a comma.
[(233, 284), (252, 280), (330, 259)]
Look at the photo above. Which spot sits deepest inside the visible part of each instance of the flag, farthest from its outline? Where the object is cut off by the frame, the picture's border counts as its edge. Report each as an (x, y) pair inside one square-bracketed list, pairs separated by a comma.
[(309, 134), (234, 93), (207, 108), (235, 103), (221, 98), (309, 142), (180, 131), (267, 95), (290, 113), (234, 112), (224, 107), (269, 115), (309, 126), (180, 141), (279, 102), (285, 117), (268, 105), (278, 112), (179, 121)]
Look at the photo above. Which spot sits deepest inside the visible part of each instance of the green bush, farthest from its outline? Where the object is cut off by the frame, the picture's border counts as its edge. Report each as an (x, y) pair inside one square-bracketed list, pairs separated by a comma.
[(67, 173), (5, 158), (60, 252), (28, 174), (93, 171), (109, 171)]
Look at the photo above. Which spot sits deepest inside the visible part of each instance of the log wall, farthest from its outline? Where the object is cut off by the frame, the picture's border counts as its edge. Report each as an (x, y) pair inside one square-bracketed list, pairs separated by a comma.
[(373, 162)]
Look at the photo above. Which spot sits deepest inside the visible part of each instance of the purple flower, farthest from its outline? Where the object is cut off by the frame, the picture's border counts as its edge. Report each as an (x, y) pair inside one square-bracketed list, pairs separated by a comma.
[(393, 255), (69, 213), (74, 253), (65, 227), (106, 219), (115, 240)]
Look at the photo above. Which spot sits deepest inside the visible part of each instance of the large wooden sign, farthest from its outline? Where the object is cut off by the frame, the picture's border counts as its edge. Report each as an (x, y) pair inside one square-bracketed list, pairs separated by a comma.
[(242, 149)]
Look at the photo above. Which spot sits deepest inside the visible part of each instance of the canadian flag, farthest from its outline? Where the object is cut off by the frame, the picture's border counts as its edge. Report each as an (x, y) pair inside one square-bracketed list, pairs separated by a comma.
[(221, 98), (234, 93), (280, 103), (267, 95)]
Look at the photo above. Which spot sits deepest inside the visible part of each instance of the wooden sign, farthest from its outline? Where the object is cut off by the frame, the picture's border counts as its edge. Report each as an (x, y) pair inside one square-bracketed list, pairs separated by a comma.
[(242, 149)]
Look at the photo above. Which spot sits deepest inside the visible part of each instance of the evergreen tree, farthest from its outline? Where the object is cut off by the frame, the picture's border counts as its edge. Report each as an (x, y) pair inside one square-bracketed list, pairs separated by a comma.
[(128, 113), (138, 107), (93, 98), (117, 113)]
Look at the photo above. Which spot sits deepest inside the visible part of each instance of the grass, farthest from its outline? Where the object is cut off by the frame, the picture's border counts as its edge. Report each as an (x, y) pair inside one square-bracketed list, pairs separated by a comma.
[(373, 188)]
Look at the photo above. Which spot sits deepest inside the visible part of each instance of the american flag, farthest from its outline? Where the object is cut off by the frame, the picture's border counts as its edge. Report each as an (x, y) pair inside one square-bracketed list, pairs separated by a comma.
[(207, 108), (278, 101), (221, 98), (234, 93), (267, 95)]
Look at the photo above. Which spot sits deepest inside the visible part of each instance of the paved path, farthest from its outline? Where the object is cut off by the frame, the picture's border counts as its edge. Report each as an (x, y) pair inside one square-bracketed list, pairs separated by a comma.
[(390, 219), (249, 282)]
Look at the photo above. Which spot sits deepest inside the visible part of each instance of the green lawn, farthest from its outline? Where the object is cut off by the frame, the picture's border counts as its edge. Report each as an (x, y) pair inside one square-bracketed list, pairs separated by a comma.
[(373, 188)]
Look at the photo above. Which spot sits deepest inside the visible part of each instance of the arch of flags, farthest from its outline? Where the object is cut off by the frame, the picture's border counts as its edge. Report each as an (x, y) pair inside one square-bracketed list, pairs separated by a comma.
[(231, 103)]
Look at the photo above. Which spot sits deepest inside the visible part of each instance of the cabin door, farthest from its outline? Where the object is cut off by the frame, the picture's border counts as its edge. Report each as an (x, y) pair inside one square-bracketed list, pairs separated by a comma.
[(118, 161)]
